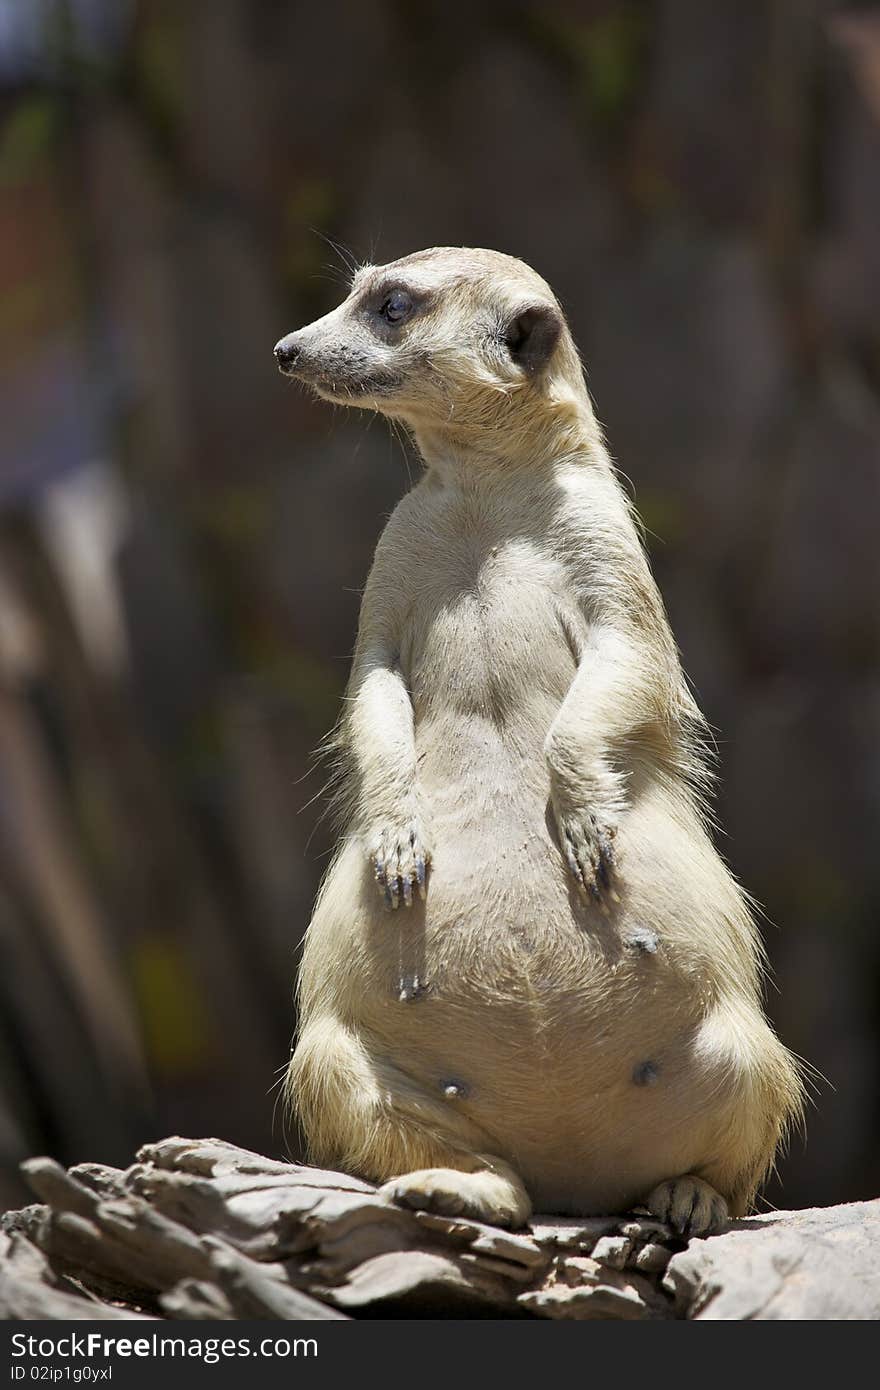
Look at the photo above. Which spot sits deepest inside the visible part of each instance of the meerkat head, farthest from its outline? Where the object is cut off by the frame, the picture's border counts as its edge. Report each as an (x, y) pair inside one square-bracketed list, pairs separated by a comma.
[(451, 338)]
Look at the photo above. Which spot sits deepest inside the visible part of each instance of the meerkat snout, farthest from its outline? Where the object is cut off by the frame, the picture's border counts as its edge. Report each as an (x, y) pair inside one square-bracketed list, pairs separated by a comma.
[(287, 350)]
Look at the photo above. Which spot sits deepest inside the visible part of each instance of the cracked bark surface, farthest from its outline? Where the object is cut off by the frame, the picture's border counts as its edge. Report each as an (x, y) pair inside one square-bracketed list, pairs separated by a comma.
[(200, 1229)]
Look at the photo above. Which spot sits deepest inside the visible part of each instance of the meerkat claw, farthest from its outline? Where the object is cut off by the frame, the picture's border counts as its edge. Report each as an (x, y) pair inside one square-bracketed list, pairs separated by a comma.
[(400, 866), (589, 854), (604, 862), (573, 865)]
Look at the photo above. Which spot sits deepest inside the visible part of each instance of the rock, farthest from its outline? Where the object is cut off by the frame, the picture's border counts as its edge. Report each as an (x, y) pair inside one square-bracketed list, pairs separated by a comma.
[(30, 1290), (200, 1229), (613, 1251), (823, 1263)]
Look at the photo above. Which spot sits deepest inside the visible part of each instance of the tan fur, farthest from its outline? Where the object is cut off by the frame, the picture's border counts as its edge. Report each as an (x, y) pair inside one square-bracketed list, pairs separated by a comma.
[(581, 1026)]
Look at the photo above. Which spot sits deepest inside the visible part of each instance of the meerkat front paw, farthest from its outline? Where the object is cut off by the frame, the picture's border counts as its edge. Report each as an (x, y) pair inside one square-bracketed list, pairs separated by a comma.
[(587, 843), (400, 859), (689, 1205), (498, 1198)]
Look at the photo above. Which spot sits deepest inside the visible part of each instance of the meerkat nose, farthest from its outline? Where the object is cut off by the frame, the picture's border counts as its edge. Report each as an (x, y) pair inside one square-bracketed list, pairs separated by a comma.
[(287, 350)]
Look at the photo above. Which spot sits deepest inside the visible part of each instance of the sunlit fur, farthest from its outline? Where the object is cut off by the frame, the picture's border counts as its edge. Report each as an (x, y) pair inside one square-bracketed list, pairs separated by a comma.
[(512, 1038)]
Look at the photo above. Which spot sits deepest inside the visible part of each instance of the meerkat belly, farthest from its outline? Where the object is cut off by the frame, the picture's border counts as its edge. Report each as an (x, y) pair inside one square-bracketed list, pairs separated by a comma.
[(570, 1035), (574, 1053)]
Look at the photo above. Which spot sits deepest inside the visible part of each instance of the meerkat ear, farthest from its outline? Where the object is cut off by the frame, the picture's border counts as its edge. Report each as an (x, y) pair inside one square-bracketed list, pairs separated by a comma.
[(531, 336)]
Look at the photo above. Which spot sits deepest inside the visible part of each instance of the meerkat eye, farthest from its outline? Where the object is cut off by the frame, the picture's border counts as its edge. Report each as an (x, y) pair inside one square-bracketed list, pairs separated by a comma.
[(397, 307)]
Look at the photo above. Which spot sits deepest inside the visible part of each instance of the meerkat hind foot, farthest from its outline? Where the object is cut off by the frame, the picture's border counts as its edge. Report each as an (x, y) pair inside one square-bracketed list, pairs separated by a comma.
[(497, 1198), (689, 1205)]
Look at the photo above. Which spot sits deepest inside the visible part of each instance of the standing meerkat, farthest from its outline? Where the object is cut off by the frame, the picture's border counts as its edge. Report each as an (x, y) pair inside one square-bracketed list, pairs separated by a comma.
[(529, 978)]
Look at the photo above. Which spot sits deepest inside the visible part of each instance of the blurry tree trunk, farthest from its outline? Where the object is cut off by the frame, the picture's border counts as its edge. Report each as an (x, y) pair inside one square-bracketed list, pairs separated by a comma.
[(98, 833)]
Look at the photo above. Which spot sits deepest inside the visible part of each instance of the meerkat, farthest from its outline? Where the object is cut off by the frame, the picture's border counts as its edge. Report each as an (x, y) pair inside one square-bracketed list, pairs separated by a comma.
[(530, 979)]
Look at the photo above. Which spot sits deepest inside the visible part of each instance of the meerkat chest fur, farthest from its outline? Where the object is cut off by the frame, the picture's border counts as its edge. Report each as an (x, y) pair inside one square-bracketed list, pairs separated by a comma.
[(489, 637)]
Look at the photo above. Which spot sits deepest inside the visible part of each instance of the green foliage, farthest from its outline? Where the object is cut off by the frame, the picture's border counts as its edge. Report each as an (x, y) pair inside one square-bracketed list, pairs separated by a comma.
[(172, 1008), (603, 56), (310, 686), (28, 138), (159, 76), (237, 516), (663, 516)]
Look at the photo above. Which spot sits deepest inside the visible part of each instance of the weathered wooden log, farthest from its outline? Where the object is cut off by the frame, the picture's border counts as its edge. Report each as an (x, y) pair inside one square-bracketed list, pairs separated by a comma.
[(201, 1229)]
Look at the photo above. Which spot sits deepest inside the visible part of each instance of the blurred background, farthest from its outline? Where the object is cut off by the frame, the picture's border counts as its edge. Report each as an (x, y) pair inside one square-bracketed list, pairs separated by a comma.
[(183, 535)]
